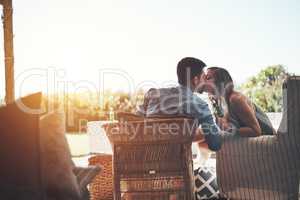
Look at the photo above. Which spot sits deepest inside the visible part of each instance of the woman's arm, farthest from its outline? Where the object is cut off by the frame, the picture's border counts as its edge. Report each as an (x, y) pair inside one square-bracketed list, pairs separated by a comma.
[(223, 122), (199, 137), (246, 114)]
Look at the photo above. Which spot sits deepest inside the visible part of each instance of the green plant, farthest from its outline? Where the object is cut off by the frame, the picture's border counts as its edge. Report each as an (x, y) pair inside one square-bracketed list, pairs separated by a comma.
[(265, 89)]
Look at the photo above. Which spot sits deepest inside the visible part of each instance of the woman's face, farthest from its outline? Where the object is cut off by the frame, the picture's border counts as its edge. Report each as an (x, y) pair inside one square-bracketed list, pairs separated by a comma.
[(209, 85)]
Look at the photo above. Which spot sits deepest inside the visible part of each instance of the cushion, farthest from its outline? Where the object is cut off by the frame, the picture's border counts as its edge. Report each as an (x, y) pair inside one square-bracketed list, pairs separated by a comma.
[(20, 176), (57, 164), (205, 184)]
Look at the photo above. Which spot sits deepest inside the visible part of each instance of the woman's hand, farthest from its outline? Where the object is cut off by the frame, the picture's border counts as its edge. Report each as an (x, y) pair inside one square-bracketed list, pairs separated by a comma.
[(223, 123), (199, 136)]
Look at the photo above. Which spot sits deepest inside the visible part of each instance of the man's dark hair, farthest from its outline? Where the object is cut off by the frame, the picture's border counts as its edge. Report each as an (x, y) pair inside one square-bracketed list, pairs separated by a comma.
[(188, 68)]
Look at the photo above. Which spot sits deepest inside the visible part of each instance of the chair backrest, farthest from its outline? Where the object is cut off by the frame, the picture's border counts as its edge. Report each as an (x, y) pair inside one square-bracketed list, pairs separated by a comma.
[(292, 105), (153, 157), (151, 130), (290, 124)]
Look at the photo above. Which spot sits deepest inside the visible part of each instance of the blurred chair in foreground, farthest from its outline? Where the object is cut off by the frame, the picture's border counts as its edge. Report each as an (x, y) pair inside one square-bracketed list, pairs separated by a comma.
[(35, 157)]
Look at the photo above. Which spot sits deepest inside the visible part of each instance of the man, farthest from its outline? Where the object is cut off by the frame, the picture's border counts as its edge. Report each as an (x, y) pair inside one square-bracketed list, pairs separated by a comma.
[(181, 100)]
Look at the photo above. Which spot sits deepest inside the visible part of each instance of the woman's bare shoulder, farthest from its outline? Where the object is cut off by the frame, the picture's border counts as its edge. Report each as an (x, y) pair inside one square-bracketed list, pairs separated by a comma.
[(237, 98)]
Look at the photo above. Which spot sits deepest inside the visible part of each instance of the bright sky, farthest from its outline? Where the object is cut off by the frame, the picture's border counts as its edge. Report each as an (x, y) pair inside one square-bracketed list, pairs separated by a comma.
[(146, 39)]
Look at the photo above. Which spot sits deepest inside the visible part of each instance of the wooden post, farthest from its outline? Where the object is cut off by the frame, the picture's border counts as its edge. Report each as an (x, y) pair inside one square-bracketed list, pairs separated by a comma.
[(8, 50)]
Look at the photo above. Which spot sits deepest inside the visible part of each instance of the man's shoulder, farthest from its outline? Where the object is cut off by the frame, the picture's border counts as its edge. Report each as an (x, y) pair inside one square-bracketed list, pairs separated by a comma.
[(199, 100), (179, 92), (163, 90)]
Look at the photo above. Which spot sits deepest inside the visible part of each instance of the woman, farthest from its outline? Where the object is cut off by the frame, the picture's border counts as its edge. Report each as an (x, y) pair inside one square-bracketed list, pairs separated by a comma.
[(234, 111)]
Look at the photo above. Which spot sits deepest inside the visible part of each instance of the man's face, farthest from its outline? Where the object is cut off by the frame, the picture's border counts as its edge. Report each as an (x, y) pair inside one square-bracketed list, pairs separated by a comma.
[(198, 82), (209, 82)]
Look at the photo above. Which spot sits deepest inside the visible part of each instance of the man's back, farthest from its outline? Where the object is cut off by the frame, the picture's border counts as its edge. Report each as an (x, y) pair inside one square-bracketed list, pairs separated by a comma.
[(182, 101)]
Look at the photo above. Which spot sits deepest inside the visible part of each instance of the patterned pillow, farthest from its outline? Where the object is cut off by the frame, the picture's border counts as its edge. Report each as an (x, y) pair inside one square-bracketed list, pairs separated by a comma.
[(205, 184)]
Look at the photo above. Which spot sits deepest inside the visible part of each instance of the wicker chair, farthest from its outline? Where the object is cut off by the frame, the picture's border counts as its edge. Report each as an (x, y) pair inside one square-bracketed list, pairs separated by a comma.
[(265, 167), (152, 158)]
